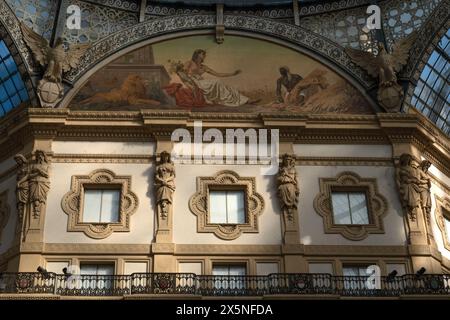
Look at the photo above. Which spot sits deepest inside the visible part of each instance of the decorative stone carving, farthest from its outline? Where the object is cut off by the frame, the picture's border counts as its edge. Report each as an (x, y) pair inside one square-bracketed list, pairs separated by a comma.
[(288, 189), (22, 187), (199, 204), (414, 185), (165, 185), (220, 28), (73, 202), (56, 61), (385, 66), (442, 212), (425, 186), (349, 181), (32, 184), (4, 212), (39, 182)]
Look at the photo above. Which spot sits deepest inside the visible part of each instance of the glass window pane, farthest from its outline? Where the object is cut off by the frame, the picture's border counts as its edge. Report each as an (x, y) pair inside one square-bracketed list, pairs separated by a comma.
[(105, 269), (447, 227), (235, 207), (92, 205), (358, 207), (350, 271), (86, 269), (217, 207), (237, 270), (110, 206), (220, 270), (340, 207)]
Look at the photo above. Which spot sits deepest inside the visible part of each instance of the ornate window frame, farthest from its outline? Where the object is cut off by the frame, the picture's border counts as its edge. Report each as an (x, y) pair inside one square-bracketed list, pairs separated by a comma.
[(441, 205), (72, 203), (349, 181), (5, 211), (226, 180)]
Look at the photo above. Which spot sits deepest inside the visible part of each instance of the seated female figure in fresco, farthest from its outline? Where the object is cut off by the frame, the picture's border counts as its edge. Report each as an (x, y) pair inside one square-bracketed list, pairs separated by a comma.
[(203, 91)]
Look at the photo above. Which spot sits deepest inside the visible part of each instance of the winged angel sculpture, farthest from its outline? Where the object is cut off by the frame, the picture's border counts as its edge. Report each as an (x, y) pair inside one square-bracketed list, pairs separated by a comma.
[(385, 66), (56, 61)]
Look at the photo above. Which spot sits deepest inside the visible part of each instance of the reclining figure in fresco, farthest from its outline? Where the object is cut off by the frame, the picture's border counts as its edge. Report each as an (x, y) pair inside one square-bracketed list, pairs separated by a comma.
[(200, 91)]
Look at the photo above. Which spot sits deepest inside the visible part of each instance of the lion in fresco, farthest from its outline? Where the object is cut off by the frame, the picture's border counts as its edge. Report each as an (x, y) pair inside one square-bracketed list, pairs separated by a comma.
[(132, 92)]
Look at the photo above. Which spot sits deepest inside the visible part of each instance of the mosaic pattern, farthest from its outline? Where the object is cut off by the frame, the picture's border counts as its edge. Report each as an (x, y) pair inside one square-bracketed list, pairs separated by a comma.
[(98, 22), (37, 14), (129, 5), (402, 17), (348, 28)]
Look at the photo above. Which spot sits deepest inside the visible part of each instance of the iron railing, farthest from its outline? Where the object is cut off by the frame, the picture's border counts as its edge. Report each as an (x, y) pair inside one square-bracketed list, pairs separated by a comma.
[(206, 285)]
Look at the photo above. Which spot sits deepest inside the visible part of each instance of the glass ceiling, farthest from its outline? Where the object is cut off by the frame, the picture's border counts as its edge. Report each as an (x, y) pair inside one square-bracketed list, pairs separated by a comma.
[(12, 88), (432, 93)]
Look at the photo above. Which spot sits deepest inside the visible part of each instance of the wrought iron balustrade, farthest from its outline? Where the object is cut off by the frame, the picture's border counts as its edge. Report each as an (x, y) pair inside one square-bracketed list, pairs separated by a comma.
[(27, 282), (210, 285), (93, 285)]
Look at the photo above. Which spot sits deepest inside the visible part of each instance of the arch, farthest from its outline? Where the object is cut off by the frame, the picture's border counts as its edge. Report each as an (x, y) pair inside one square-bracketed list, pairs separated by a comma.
[(153, 31), (11, 36)]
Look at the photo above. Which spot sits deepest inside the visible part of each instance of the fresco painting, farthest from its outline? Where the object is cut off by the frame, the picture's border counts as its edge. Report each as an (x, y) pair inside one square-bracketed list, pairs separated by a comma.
[(240, 75)]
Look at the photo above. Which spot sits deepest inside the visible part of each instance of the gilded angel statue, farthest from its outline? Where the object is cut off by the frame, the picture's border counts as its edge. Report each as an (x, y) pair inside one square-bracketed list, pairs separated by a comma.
[(55, 59), (385, 67)]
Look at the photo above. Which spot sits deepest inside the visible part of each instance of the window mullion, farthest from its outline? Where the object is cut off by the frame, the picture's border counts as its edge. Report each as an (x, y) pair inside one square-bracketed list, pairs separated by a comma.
[(349, 208), (101, 207), (226, 209)]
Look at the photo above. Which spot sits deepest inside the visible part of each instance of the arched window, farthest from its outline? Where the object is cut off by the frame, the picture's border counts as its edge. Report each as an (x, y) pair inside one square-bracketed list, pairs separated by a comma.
[(432, 93), (12, 88)]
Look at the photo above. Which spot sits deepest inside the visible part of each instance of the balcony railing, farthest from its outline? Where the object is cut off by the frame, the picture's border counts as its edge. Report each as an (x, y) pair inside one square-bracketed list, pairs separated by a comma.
[(205, 285)]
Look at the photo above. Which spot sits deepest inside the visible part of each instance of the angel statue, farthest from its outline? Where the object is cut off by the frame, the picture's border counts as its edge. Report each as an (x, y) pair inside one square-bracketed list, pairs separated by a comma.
[(56, 61), (385, 66)]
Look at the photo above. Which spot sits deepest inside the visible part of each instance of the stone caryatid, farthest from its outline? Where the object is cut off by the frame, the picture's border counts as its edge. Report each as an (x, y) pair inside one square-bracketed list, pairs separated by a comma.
[(32, 184), (22, 185), (39, 182), (288, 189), (165, 185), (425, 186), (414, 185)]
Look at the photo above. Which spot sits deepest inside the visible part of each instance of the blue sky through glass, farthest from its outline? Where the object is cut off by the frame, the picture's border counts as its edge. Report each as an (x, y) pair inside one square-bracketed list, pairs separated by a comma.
[(12, 88), (432, 93)]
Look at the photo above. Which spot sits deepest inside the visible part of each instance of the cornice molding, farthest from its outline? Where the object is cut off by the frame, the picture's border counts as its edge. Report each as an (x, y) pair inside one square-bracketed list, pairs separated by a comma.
[(355, 250), (101, 158), (97, 249), (18, 128)]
